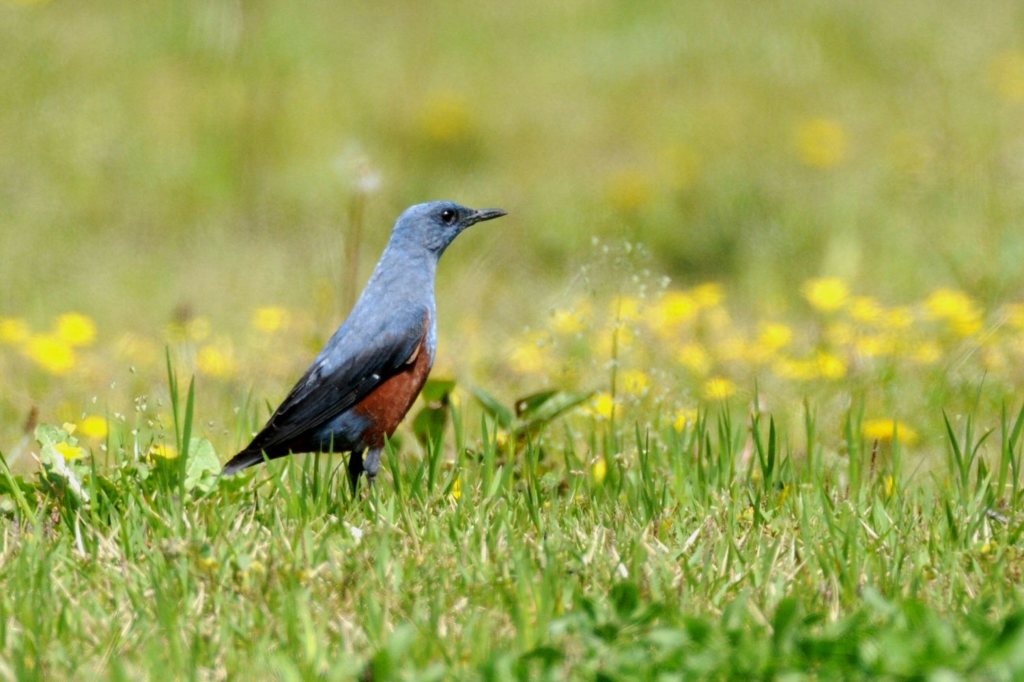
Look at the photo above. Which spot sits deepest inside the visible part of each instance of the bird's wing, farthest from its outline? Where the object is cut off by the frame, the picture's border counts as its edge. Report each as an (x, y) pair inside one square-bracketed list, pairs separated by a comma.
[(355, 361)]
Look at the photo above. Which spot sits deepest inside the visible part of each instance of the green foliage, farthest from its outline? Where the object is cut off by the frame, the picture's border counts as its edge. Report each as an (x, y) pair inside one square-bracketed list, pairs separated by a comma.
[(430, 421), (531, 414), (716, 551)]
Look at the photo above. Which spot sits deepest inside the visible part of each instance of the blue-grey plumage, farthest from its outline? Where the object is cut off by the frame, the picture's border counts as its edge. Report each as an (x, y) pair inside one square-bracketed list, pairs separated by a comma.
[(370, 371)]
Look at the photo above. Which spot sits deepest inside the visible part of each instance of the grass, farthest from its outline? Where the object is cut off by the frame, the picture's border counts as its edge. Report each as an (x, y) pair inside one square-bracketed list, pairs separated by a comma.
[(731, 548)]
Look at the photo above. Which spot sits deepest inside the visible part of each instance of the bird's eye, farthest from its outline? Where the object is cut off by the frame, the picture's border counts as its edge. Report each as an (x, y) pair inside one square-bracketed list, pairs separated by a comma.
[(448, 216)]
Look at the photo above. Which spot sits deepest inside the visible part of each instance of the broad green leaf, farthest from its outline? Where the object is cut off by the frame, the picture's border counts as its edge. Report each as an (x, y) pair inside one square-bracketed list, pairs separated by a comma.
[(552, 406), (429, 423), (493, 407), (529, 404), (202, 467), (58, 449), (437, 390)]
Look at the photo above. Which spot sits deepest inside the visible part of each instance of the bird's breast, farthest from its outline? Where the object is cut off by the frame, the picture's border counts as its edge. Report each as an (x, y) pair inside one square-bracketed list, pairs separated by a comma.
[(385, 406)]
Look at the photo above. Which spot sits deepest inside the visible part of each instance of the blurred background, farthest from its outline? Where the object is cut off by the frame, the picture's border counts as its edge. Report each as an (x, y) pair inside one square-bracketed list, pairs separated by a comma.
[(169, 162)]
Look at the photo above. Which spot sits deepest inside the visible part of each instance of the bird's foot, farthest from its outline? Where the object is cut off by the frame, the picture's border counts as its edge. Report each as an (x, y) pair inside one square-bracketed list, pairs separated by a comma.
[(358, 464)]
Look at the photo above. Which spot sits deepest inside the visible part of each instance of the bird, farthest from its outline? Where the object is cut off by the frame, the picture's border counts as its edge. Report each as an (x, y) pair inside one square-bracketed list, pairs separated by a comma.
[(366, 378)]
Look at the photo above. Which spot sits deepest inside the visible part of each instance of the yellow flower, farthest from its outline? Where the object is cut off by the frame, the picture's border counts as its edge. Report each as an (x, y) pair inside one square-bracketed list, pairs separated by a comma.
[(13, 330), (866, 309), (874, 345), (569, 321), (446, 117), (1006, 73), (718, 388), (625, 308), (820, 142), (822, 365), (683, 417), (629, 190), (76, 329), (51, 353), (926, 353), (798, 370), (708, 295), (830, 366), (215, 361), (826, 293), (527, 355), (774, 335), (898, 318), (69, 452), (885, 430), (947, 303), (94, 426), (270, 319), (889, 485), (967, 326), (955, 308), (672, 310), (602, 405), (457, 489), (693, 357), (599, 470), (163, 451), (634, 382)]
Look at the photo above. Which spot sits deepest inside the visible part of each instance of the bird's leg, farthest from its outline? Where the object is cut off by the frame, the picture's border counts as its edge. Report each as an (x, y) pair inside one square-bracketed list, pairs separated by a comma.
[(371, 465), (355, 467), (357, 464)]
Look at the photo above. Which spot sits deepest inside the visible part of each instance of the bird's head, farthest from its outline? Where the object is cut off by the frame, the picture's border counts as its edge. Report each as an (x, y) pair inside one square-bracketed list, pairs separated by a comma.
[(435, 224)]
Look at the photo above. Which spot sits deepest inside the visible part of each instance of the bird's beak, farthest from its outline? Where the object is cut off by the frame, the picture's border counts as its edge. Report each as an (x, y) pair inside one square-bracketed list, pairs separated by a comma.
[(486, 214)]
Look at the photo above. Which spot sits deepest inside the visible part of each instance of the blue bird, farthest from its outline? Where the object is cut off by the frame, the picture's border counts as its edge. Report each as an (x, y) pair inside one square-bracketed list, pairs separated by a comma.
[(368, 375)]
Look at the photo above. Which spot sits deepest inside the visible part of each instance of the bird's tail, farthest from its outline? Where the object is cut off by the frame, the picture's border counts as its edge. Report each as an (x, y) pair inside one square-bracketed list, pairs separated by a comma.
[(243, 460)]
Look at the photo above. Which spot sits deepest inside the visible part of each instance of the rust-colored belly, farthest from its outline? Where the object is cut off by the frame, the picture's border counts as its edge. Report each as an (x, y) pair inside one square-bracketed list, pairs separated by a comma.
[(386, 405)]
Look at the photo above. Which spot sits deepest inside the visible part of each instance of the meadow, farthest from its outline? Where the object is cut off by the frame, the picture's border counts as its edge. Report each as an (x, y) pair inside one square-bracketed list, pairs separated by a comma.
[(734, 392)]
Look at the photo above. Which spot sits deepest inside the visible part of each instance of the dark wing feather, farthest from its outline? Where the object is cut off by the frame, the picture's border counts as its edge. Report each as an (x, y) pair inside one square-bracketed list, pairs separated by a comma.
[(350, 366)]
